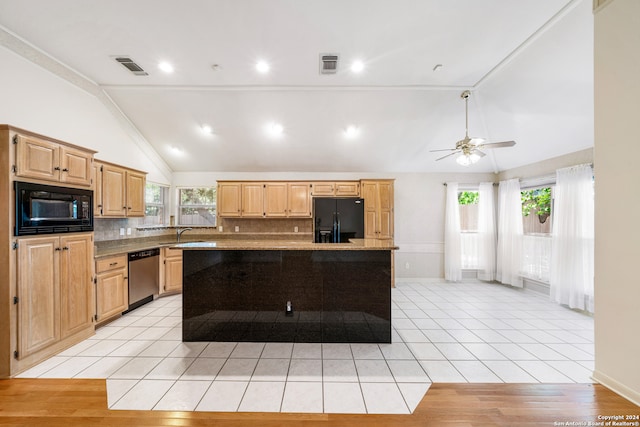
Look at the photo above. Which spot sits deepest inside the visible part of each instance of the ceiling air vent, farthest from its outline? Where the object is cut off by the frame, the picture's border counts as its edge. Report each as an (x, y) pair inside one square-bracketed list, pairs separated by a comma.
[(131, 66), (328, 63)]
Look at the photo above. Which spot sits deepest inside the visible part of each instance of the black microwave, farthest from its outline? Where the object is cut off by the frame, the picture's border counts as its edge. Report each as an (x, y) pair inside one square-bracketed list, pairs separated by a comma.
[(47, 209)]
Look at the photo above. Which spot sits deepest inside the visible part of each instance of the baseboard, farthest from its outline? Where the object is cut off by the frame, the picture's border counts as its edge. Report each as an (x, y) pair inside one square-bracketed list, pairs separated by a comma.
[(536, 286), (617, 387)]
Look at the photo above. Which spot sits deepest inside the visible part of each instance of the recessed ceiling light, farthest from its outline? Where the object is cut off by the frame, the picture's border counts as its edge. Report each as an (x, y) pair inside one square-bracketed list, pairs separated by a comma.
[(177, 151), (351, 131), (207, 129), (262, 67), (275, 129), (357, 66), (166, 67)]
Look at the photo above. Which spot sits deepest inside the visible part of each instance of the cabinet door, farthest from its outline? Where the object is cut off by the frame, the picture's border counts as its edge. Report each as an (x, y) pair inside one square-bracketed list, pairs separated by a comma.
[(39, 294), (347, 188), (96, 174), (76, 293), (113, 191), (299, 199), (76, 166), (322, 189), (370, 196), (385, 210), (229, 199), (276, 199), (36, 158), (173, 272), (253, 200), (112, 293), (136, 183)]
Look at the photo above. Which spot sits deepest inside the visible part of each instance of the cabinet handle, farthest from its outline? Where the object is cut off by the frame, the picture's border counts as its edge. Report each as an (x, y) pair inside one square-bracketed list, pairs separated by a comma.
[(58, 249), (57, 168), (124, 207), (113, 264), (129, 208), (65, 170), (65, 248)]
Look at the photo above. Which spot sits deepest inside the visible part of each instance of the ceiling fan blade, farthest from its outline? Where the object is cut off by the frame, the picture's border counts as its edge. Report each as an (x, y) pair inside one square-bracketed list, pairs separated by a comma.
[(448, 155), (498, 144), (444, 149)]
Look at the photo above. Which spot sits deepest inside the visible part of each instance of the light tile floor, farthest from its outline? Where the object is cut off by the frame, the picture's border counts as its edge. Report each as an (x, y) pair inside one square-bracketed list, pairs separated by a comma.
[(443, 332)]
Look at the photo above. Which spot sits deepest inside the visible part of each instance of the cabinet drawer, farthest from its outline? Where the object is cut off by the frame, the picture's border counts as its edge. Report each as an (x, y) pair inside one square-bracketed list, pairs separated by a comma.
[(111, 263)]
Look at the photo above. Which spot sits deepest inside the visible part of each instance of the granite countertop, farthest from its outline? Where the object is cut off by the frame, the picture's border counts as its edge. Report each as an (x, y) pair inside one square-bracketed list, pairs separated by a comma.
[(353, 245), (105, 249)]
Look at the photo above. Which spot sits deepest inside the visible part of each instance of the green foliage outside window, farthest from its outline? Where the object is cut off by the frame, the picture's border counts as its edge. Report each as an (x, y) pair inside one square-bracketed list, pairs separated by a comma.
[(468, 198), (538, 200)]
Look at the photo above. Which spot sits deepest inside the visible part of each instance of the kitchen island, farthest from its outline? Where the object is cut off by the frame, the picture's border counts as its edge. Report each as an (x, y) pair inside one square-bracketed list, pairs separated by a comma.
[(275, 291)]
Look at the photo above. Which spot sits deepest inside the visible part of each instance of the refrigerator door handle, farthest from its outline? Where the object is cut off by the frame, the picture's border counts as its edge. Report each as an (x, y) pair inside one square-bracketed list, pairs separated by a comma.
[(338, 236)]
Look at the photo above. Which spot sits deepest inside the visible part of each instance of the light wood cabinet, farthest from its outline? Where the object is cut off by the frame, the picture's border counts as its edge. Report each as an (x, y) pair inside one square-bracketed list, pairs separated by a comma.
[(54, 300), (268, 199), (96, 179), (112, 292), (276, 202), (336, 189), (51, 161), (299, 199), (378, 208), (171, 271), (229, 195), (252, 200), (76, 292), (38, 294), (122, 191)]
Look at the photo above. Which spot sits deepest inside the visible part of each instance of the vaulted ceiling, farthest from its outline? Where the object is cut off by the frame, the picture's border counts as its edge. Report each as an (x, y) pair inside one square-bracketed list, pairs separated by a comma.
[(528, 63)]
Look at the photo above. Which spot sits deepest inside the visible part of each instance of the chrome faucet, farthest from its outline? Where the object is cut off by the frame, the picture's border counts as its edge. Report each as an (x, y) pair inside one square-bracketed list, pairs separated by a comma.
[(180, 231)]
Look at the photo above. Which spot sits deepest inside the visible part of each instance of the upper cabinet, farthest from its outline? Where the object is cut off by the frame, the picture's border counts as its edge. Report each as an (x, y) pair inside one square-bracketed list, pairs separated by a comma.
[(270, 199), (378, 208), (41, 159), (335, 189), (229, 199), (120, 193)]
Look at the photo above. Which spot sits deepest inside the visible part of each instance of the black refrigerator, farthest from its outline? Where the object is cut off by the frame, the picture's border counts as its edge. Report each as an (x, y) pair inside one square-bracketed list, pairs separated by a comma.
[(336, 220)]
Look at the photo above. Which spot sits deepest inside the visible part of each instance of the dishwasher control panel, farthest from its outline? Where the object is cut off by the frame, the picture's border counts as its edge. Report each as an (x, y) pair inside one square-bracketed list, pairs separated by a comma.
[(144, 254)]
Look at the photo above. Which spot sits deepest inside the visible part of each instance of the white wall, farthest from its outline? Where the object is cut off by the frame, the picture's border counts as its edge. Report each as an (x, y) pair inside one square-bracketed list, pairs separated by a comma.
[(37, 100), (617, 150)]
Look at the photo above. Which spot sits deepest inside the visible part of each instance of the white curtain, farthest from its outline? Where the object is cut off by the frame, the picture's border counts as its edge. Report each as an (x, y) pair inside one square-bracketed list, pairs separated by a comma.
[(573, 238), (486, 232), (509, 253), (452, 248)]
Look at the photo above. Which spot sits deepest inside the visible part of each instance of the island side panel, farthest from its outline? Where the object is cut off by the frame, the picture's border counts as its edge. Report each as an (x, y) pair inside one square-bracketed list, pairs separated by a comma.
[(241, 295)]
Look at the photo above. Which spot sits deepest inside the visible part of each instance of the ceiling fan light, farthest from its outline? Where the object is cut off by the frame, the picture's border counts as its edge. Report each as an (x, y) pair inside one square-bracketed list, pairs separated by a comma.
[(467, 159)]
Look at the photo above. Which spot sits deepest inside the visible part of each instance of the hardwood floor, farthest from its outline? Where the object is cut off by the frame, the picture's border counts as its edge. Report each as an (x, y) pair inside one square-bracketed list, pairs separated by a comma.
[(69, 403)]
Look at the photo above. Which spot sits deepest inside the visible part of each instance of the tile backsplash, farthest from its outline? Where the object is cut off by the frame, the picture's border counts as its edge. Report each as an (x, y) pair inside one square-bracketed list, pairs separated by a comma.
[(109, 228)]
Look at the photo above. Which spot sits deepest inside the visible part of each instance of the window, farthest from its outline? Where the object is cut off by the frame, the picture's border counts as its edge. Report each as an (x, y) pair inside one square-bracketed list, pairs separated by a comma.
[(468, 204), (468, 201), (536, 223), (155, 196), (197, 206), (536, 210)]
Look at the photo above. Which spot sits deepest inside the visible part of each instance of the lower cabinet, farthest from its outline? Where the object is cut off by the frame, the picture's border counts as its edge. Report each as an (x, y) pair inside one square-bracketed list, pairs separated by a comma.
[(170, 271), (54, 298), (112, 291)]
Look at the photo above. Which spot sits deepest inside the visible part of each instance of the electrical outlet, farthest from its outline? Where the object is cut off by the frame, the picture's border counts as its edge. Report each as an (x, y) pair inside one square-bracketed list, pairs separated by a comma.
[(295, 229), (220, 228), (406, 265), (129, 231), (122, 231), (237, 228)]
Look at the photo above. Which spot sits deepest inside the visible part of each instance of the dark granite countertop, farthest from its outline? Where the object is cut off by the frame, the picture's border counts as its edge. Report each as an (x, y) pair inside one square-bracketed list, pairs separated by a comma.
[(353, 245)]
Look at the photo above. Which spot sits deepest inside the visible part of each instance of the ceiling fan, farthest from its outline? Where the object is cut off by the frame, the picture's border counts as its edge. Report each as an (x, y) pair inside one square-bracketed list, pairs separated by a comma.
[(469, 148)]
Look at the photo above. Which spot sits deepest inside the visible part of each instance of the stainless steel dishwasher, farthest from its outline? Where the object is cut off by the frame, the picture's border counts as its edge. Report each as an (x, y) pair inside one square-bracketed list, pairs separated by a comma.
[(144, 281)]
